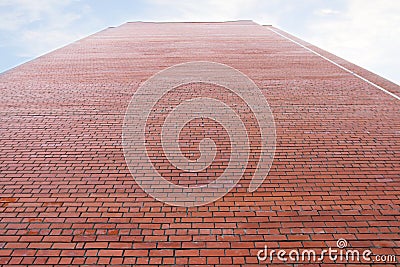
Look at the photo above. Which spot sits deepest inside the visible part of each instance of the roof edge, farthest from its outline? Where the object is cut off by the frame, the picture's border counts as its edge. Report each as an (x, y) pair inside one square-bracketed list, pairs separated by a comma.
[(216, 22)]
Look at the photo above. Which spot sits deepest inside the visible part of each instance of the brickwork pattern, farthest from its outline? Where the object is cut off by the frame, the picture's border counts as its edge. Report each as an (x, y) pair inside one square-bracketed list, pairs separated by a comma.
[(67, 197)]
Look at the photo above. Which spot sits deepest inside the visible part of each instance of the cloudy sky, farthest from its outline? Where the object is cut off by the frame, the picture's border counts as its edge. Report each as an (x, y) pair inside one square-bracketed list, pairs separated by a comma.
[(366, 32)]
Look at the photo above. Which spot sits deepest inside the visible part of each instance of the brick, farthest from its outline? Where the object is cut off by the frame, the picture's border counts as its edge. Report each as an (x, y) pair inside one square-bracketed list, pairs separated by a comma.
[(5, 252), (110, 252), (136, 253), (47, 253), (187, 253), (96, 245)]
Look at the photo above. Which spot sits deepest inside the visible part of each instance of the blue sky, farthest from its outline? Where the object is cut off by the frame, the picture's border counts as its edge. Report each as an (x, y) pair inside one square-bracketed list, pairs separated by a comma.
[(366, 32)]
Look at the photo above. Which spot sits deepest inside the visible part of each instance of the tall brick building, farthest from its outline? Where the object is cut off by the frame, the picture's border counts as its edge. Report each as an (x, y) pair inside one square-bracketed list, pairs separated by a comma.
[(67, 196)]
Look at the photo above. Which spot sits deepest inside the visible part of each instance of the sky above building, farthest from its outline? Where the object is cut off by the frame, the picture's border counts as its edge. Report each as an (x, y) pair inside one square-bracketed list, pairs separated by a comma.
[(365, 32)]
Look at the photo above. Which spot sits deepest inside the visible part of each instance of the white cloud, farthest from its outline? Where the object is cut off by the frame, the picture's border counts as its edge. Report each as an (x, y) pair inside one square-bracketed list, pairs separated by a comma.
[(18, 13), (212, 10), (52, 25), (366, 33), (326, 12), (43, 41)]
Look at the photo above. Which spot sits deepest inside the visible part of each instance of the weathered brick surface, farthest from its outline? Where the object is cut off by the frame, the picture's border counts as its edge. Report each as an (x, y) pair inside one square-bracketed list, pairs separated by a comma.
[(67, 197)]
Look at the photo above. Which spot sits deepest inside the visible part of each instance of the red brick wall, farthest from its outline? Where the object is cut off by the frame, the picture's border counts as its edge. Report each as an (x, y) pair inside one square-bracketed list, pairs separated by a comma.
[(67, 197)]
